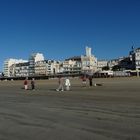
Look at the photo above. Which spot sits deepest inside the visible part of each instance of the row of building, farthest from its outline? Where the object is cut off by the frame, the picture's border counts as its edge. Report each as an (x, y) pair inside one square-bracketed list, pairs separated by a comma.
[(37, 65)]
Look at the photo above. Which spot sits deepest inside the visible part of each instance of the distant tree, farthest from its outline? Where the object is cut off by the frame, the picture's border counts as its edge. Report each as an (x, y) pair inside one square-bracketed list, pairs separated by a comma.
[(116, 68), (105, 68)]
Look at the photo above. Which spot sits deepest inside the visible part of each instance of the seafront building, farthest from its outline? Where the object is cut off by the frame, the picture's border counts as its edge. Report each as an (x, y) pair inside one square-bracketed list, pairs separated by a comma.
[(81, 64), (35, 57), (72, 65), (112, 63), (36, 65), (34, 68), (8, 63), (89, 62), (41, 68), (19, 70), (47, 67), (101, 64), (135, 58)]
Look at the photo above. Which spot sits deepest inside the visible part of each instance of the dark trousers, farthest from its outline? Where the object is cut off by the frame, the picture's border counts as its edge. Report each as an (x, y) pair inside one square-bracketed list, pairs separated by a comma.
[(90, 82), (33, 86)]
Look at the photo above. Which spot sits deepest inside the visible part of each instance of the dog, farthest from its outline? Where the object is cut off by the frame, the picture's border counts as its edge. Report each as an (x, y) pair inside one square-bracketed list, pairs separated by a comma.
[(97, 84)]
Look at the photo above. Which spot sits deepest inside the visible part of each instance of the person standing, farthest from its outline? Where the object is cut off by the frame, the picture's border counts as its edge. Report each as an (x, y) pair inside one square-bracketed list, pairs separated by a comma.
[(67, 84), (90, 80), (26, 83), (33, 84)]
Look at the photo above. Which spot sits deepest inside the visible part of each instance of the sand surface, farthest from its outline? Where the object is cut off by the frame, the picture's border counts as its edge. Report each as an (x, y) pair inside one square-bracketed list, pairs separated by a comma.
[(108, 112)]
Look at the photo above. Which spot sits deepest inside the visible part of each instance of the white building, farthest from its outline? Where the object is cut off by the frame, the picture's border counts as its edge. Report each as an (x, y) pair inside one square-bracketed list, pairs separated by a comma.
[(113, 62), (68, 66), (101, 64), (41, 67), (53, 67), (72, 65), (35, 57), (88, 52), (47, 67), (8, 63), (137, 58), (89, 61), (19, 70)]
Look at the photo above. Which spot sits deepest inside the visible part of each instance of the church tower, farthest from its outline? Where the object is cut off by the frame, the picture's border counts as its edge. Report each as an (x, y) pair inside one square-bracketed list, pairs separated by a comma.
[(88, 51)]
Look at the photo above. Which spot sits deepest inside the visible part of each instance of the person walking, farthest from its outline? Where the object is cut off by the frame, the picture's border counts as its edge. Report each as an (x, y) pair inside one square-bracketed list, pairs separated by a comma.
[(33, 84), (67, 83), (61, 84), (26, 83)]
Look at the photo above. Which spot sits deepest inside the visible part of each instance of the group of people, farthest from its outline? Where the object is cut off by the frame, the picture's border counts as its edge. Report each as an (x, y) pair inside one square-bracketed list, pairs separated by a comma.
[(67, 84), (26, 84), (60, 87), (64, 84), (84, 80)]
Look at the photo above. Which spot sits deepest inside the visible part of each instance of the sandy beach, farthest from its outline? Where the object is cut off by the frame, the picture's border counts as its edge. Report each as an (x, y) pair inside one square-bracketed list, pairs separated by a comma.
[(108, 112)]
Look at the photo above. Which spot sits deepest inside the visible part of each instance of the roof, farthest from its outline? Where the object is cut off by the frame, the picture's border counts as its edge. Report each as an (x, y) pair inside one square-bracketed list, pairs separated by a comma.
[(75, 58)]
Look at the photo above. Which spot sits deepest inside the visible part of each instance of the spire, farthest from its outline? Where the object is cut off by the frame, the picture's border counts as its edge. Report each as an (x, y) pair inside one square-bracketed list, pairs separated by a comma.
[(132, 48)]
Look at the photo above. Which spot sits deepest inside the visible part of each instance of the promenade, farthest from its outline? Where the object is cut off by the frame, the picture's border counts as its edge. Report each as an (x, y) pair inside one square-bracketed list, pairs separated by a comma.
[(108, 112)]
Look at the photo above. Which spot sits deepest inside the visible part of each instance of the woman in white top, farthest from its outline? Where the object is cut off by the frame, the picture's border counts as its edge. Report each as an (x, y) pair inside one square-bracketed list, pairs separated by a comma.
[(67, 84)]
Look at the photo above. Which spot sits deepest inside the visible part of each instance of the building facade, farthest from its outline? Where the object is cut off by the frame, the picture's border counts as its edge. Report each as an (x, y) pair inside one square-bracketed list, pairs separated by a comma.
[(19, 70), (72, 65), (8, 63), (32, 60), (47, 67), (112, 63), (101, 64), (89, 62), (135, 58), (41, 68)]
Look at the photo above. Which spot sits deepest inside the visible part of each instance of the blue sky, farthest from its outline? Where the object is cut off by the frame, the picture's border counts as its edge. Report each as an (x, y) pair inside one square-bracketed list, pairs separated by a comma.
[(62, 28)]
